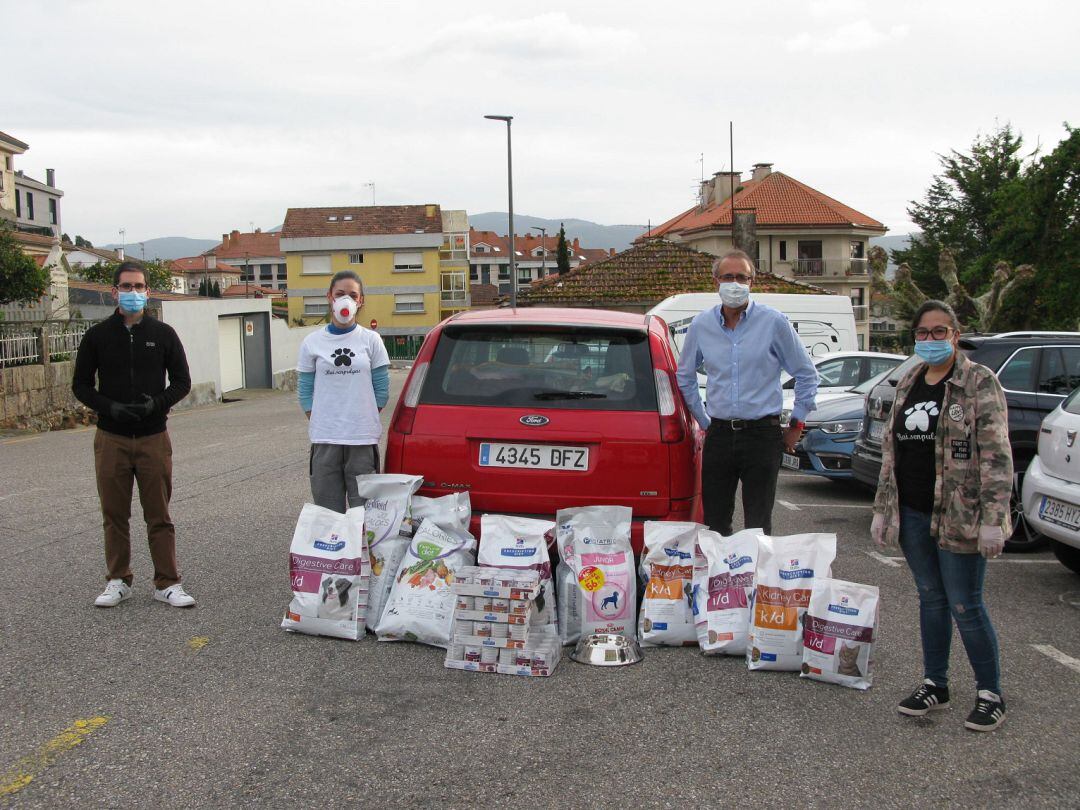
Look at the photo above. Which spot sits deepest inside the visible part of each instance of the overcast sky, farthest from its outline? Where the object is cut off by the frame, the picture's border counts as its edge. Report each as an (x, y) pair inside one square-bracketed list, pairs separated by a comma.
[(193, 118)]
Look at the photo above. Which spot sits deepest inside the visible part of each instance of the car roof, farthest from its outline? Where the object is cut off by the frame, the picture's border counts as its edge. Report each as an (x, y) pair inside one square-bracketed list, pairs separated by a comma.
[(832, 355), (556, 316), (1029, 338)]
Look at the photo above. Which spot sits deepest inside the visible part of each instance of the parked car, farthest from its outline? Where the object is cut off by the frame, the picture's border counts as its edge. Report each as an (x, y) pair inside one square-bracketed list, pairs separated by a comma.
[(534, 410), (826, 445), (840, 372), (1036, 369), (1051, 493)]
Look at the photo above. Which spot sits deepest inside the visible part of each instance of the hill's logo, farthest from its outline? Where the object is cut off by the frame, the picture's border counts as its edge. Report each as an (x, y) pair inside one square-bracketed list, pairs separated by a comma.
[(843, 608), (795, 572), (674, 552), (332, 544), (519, 549)]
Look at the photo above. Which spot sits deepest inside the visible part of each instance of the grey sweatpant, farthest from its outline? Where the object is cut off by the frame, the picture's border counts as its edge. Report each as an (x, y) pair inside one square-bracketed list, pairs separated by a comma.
[(333, 469)]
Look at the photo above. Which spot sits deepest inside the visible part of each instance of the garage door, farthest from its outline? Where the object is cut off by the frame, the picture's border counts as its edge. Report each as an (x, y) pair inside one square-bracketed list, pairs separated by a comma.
[(231, 352)]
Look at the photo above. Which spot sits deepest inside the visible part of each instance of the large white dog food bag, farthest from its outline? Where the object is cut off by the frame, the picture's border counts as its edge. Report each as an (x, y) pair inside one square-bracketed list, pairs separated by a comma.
[(421, 604), (667, 568), (787, 568), (508, 541), (386, 514), (838, 634), (328, 568), (453, 510), (598, 587), (724, 590)]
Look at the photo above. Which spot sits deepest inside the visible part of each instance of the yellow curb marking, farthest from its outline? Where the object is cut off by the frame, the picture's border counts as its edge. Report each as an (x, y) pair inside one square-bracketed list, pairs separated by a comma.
[(23, 772), (198, 642)]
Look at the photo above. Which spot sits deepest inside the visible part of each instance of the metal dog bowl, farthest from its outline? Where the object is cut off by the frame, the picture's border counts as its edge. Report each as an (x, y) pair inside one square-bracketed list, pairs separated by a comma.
[(607, 650)]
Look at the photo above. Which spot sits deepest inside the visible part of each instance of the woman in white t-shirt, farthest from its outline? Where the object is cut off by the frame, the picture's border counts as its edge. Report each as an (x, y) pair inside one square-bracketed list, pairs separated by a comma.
[(343, 383)]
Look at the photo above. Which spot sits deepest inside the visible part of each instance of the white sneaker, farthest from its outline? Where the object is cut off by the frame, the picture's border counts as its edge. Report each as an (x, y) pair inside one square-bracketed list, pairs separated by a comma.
[(175, 595), (116, 591)]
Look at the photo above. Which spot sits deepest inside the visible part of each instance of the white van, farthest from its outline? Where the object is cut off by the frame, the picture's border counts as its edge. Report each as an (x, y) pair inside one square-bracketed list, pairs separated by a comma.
[(825, 323)]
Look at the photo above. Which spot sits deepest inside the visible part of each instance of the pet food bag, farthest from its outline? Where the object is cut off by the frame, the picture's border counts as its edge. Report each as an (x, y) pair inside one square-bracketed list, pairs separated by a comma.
[(667, 568), (507, 541), (421, 604), (724, 590), (838, 633), (328, 567), (385, 515), (449, 511), (787, 568), (597, 589)]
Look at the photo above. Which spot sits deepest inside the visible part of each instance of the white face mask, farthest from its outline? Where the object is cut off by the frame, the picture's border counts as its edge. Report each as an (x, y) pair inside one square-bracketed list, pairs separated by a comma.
[(734, 294), (344, 308)]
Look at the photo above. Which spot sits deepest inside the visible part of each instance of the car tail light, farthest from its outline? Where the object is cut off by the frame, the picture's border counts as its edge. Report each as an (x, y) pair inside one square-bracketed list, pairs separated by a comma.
[(403, 421), (671, 423)]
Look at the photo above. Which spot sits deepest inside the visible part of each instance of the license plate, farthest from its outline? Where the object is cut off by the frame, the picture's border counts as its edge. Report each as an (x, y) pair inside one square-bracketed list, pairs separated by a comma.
[(877, 428), (790, 461), (1063, 514), (534, 456)]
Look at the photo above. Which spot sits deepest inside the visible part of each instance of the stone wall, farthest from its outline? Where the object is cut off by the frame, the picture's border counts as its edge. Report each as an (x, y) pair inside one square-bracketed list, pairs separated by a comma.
[(38, 396)]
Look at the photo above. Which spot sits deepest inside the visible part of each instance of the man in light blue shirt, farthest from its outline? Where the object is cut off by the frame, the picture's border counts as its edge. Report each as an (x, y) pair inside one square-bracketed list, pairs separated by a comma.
[(742, 347)]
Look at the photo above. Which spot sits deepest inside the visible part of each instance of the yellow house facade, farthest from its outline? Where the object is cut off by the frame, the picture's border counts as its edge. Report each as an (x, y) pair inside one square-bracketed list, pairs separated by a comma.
[(400, 254)]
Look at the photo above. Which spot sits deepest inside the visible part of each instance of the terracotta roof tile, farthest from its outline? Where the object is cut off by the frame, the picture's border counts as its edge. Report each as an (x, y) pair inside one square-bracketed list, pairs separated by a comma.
[(201, 264), (483, 294), (371, 219), (645, 274), (779, 201), (239, 245), (250, 291), (93, 286)]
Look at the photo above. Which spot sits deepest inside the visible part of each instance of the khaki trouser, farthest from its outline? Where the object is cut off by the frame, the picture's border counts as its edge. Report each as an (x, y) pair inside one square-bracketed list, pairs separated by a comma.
[(333, 469), (118, 461)]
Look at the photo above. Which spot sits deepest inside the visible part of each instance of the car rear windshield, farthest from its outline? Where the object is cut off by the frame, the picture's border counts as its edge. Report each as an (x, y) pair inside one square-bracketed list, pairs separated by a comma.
[(542, 367)]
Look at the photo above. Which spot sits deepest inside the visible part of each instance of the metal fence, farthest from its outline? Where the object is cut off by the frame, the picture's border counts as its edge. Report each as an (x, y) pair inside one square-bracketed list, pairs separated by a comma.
[(23, 344)]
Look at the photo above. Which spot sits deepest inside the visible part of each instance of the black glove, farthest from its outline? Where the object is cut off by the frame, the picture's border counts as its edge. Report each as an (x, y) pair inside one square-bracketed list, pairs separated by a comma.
[(145, 407), (124, 413)]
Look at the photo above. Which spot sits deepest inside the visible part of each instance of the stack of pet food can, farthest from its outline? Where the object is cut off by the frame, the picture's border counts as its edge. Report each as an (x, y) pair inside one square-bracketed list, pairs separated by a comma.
[(493, 629)]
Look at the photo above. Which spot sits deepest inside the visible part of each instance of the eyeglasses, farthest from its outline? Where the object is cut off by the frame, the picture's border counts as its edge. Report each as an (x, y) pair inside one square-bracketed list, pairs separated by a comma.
[(739, 277), (937, 333), (127, 287)]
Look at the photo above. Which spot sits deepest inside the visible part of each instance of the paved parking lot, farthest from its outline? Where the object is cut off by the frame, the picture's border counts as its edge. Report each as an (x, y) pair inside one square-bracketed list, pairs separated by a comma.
[(144, 705)]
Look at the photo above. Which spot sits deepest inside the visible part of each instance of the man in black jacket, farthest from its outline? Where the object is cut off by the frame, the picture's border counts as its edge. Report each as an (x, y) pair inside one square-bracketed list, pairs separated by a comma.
[(130, 354)]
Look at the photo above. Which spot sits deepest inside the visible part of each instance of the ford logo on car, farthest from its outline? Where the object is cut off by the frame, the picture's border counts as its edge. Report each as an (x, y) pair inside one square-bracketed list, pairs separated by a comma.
[(534, 419)]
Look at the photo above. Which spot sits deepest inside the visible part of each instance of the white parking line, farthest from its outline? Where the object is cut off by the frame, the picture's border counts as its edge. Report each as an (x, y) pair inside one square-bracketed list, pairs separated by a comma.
[(881, 558), (830, 505), (1058, 655), (790, 506)]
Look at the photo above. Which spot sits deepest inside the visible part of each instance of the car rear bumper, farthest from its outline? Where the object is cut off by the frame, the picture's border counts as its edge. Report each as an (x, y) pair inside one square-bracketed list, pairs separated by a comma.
[(866, 464), (1037, 484)]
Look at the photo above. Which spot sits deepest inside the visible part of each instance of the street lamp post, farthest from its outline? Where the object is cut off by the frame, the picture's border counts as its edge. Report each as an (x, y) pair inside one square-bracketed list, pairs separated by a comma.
[(543, 249), (510, 191)]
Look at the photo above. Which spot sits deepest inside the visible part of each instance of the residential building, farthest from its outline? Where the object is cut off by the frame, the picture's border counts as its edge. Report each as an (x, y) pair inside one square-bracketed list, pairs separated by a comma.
[(9, 148), (535, 258), (37, 204), (800, 233), (411, 258), (641, 277), (196, 269), (258, 256), (79, 257)]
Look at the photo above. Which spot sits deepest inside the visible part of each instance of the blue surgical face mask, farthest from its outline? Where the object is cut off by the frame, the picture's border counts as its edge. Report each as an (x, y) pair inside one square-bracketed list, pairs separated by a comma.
[(934, 352), (132, 302)]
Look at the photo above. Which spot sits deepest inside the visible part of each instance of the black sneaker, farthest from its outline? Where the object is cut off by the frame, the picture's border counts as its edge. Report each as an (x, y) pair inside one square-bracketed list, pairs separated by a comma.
[(988, 714), (927, 698)]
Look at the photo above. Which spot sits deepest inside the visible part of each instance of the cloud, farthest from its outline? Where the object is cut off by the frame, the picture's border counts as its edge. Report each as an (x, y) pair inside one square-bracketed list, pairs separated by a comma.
[(860, 35)]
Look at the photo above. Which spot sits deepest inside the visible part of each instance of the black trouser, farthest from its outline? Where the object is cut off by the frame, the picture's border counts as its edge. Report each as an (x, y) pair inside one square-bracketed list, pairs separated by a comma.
[(750, 454)]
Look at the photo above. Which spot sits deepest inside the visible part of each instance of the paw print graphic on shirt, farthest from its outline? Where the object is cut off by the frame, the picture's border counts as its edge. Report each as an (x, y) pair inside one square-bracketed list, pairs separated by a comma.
[(342, 357), (918, 416)]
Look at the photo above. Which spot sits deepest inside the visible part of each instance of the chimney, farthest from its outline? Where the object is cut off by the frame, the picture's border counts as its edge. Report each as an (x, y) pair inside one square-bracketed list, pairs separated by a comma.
[(50, 178), (120, 253), (576, 244), (258, 230), (234, 238), (721, 184), (611, 251), (225, 241), (762, 170)]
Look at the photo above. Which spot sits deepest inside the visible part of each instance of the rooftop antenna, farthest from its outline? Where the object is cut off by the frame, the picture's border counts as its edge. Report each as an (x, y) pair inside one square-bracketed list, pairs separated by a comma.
[(731, 173), (372, 187)]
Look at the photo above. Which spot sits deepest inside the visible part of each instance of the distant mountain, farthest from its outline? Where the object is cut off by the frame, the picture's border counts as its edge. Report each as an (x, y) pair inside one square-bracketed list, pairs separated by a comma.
[(890, 243), (591, 234), (166, 247)]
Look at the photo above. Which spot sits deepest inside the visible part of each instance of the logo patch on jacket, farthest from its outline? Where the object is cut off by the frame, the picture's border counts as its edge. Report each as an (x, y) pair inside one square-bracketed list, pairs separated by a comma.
[(956, 412), (961, 449)]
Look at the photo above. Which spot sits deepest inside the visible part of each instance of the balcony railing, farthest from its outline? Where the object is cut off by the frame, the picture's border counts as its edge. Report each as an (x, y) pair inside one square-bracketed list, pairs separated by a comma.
[(861, 312), (808, 267), (454, 300), (857, 267)]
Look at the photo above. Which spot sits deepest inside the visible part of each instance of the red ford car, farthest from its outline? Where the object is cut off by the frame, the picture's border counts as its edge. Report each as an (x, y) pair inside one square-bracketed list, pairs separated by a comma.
[(536, 410)]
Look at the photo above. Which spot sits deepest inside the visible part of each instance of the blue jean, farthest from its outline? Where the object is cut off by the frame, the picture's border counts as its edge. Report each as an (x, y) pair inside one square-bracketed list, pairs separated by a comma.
[(950, 588)]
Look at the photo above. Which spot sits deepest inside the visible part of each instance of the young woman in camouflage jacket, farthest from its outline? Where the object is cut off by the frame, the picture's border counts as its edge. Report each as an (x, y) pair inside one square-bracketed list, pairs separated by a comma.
[(943, 494)]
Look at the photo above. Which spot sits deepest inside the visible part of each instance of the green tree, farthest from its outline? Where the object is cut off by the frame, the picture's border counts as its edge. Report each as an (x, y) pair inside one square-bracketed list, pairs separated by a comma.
[(65, 239), (80, 242), (960, 211), (562, 252), (158, 274), (216, 293), (21, 280), (202, 287)]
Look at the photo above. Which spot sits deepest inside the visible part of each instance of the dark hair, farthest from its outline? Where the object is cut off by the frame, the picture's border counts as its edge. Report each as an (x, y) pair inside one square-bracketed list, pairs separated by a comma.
[(129, 266), (935, 306), (735, 254), (341, 275)]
